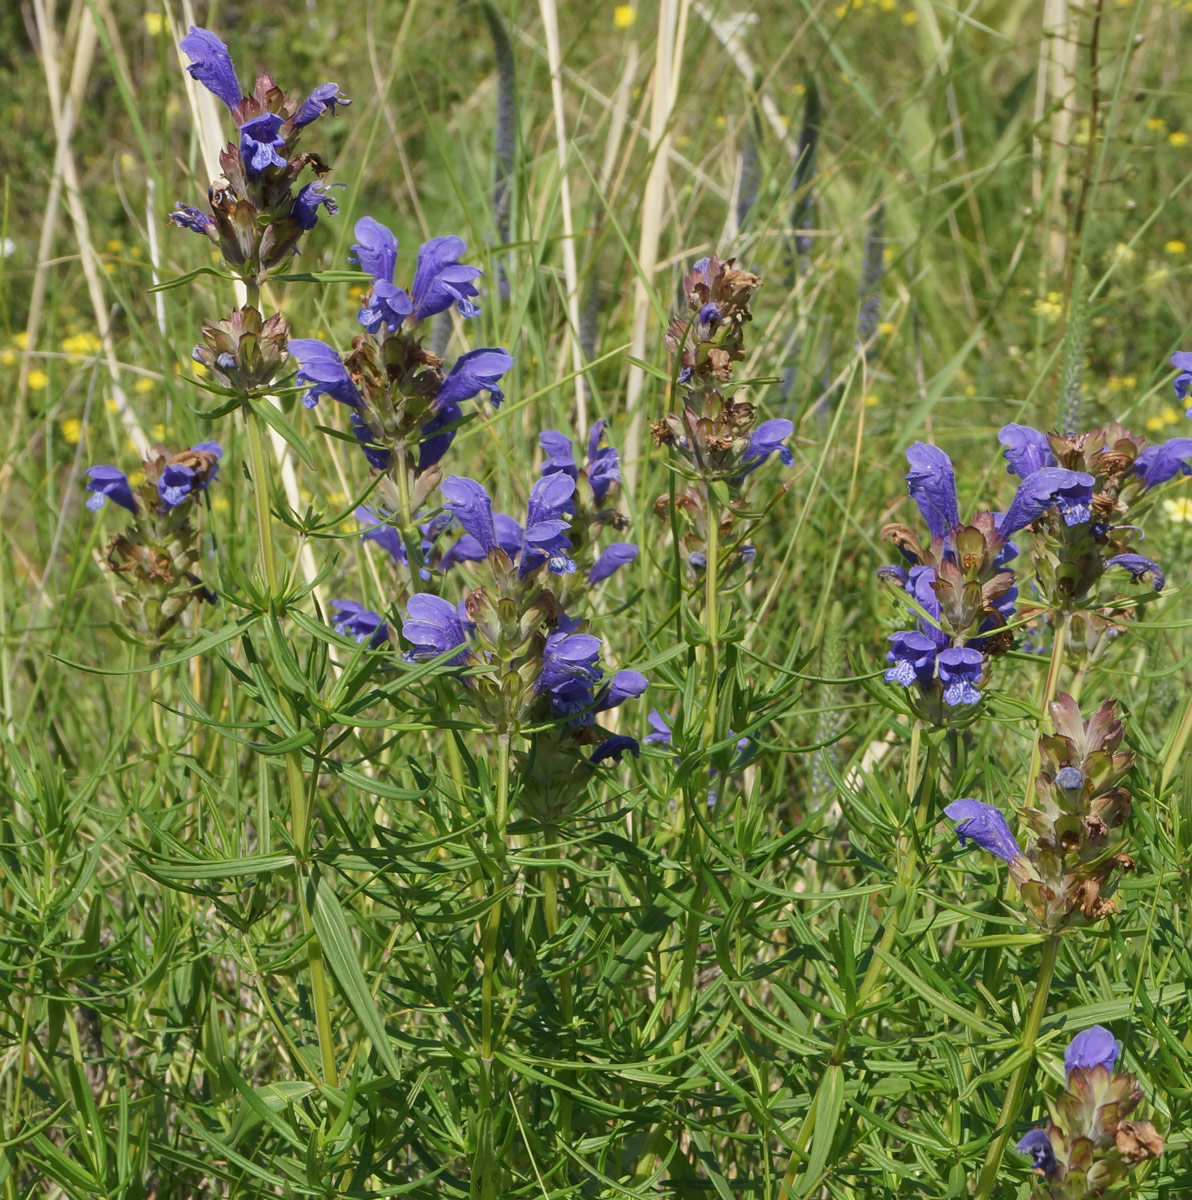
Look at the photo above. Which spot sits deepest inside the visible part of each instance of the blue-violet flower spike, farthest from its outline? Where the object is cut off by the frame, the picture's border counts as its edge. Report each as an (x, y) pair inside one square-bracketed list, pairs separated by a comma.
[(1038, 1145), (353, 619), (985, 825), (109, 483), (1140, 567), (211, 65), (931, 483), (470, 504), (1095, 1047), (323, 99), (615, 747), (475, 372), (1182, 361), (1026, 450), (612, 558), (1158, 464), (441, 280), (1069, 491), (321, 368), (434, 627)]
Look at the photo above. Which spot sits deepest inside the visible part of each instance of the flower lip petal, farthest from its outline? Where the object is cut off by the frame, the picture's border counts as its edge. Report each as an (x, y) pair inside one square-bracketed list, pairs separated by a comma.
[(1038, 1145), (1026, 450)]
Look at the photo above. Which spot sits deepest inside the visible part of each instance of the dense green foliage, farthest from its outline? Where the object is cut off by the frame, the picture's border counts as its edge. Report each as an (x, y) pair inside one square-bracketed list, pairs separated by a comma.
[(805, 987)]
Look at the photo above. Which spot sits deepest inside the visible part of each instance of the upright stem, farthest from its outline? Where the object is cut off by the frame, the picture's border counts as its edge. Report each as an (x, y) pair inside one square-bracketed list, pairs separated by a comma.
[(694, 835), (550, 908), (494, 915), (1013, 1100), (295, 781), (1050, 687)]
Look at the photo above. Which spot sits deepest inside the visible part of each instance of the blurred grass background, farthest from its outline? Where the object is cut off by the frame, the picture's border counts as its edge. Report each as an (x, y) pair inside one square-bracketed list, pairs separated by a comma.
[(968, 171)]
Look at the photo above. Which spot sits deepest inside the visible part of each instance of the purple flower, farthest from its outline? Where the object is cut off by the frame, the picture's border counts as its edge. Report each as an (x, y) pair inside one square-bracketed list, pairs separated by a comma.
[(660, 734), (434, 627), (186, 216), (545, 535), (323, 99), (615, 747), (1095, 1047), (386, 536), (931, 483), (320, 366), (612, 558), (375, 249), (436, 436), (1140, 567), (985, 825), (109, 483), (354, 620), (177, 482), (1038, 1145), (1158, 464), (1182, 361), (960, 672), (604, 465), (260, 140), (624, 685), (765, 440), (913, 659), (378, 456), (1027, 450), (306, 203), (1069, 779), (441, 280), (569, 670), (468, 549), (469, 503), (473, 373), (560, 457), (1069, 491), (211, 65)]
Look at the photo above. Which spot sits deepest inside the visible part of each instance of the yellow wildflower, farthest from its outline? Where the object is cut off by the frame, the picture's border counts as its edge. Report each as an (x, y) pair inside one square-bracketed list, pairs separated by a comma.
[(143, 385), (155, 24), (1156, 124), (1178, 509), (72, 430), (886, 328), (1050, 308), (158, 432), (909, 17), (114, 245), (1171, 416), (8, 357), (1154, 424), (624, 15), (109, 268), (38, 380), (219, 502), (1123, 253), (872, 401), (721, 121), (1177, 139), (136, 478), (21, 340), (1175, 247), (81, 344)]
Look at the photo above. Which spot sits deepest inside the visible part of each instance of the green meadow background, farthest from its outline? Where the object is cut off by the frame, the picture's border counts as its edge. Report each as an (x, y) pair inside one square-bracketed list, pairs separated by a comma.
[(971, 171)]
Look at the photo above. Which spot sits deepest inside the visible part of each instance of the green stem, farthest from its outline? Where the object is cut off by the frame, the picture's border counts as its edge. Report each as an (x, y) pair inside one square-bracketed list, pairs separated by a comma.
[(295, 781), (550, 909), (1013, 1100), (1050, 687)]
